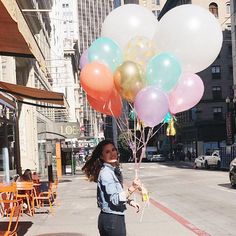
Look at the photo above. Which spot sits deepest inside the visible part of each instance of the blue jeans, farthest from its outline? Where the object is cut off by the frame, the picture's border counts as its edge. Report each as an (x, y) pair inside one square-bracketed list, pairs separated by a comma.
[(111, 224)]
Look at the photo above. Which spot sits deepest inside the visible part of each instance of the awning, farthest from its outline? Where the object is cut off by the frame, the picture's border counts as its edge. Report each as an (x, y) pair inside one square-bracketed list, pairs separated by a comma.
[(21, 92), (16, 39)]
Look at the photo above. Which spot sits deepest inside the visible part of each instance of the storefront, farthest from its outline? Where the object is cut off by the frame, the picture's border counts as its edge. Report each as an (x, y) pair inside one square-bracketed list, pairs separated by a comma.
[(9, 155)]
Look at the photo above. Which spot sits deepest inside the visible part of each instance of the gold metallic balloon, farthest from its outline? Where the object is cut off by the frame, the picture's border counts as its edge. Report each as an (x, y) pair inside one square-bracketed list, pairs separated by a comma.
[(140, 50), (171, 131), (128, 80)]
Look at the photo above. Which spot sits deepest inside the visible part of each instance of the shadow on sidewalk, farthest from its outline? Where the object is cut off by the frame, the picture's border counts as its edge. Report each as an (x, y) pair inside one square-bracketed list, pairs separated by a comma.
[(64, 180), (226, 185), (61, 234), (23, 227)]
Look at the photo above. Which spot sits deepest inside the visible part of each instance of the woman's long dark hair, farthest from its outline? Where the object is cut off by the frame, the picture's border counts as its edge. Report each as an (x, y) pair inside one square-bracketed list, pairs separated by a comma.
[(93, 165), (27, 176)]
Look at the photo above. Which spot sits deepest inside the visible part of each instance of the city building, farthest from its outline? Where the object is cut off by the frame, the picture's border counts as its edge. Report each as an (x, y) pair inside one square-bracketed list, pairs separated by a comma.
[(232, 7), (91, 16), (26, 85)]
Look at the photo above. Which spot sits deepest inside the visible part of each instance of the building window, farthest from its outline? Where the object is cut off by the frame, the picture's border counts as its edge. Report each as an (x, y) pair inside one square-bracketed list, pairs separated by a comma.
[(229, 51), (213, 8), (230, 72), (184, 2), (156, 13), (228, 7), (216, 92), (228, 27), (131, 1), (217, 113), (216, 72)]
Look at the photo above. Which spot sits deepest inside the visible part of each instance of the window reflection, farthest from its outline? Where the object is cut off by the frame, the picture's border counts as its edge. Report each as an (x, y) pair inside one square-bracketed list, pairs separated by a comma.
[(7, 142)]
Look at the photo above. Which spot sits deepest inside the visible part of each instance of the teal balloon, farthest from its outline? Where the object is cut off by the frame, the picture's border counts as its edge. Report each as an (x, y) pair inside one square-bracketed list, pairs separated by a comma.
[(163, 71), (132, 115), (167, 118), (106, 51)]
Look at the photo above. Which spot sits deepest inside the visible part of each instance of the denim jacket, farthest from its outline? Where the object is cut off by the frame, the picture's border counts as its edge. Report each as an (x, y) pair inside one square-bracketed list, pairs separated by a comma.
[(111, 197)]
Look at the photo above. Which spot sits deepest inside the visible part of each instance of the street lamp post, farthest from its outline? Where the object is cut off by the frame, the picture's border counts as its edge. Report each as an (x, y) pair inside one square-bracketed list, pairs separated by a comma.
[(230, 120), (234, 107)]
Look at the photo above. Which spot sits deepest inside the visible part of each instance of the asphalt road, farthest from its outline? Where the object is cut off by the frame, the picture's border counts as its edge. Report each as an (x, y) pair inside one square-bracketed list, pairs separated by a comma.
[(202, 197)]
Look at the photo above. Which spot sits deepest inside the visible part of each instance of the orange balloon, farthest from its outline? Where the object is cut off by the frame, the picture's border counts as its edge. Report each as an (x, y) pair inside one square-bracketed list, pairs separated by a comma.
[(117, 81), (112, 107), (97, 80)]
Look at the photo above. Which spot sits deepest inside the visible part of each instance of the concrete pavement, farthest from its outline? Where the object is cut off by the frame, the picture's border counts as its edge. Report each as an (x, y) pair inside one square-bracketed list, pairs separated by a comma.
[(77, 214)]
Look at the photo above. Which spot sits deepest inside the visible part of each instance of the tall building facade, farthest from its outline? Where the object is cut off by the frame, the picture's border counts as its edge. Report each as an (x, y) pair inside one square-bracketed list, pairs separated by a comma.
[(91, 16), (232, 6)]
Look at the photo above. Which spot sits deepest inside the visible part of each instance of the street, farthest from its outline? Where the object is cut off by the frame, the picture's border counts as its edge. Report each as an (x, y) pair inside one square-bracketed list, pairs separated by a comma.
[(202, 197), (183, 202)]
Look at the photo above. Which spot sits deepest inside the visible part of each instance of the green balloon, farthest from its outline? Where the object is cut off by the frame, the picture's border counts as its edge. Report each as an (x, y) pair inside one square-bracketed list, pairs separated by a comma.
[(106, 51), (163, 71), (132, 115)]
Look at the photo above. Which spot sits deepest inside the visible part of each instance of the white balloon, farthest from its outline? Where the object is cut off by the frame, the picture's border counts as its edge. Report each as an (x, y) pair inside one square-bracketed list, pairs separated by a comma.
[(192, 34), (127, 22)]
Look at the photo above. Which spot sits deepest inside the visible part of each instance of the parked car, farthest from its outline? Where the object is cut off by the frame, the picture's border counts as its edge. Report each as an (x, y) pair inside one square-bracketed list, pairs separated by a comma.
[(158, 157), (232, 172), (150, 151), (208, 160)]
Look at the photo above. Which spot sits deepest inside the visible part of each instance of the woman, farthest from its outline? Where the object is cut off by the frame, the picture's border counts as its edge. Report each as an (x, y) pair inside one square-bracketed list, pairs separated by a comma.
[(26, 177), (103, 168)]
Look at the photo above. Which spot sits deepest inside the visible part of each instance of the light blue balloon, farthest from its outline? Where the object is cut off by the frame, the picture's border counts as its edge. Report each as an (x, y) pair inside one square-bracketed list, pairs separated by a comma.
[(163, 71), (167, 118), (106, 51)]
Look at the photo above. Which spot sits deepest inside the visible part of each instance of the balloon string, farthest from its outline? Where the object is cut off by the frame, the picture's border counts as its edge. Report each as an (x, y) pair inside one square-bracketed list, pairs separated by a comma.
[(152, 135), (131, 138), (144, 144), (135, 149), (144, 208), (123, 126)]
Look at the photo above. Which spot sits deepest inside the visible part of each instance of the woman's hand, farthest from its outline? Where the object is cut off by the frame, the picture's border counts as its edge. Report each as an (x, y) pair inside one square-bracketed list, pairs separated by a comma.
[(134, 204), (137, 184)]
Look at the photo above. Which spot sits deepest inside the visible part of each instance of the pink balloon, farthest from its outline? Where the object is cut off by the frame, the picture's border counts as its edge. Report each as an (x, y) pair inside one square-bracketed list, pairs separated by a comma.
[(187, 93), (83, 59), (151, 105)]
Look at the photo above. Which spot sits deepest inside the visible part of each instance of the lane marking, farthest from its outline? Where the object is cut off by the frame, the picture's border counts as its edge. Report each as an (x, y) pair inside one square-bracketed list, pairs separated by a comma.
[(178, 218)]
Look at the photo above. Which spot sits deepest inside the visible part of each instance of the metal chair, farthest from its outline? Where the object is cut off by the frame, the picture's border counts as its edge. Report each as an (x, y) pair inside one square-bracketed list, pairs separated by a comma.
[(25, 191), (49, 196), (14, 210), (7, 192)]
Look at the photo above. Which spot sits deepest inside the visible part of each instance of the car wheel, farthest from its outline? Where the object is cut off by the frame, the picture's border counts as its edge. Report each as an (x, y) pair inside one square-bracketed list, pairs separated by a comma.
[(233, 184), (218, 165), (195, 166), (206, 165)]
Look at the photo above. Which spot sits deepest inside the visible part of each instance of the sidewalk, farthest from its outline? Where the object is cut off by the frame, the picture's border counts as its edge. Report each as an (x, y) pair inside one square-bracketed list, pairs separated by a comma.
[(77, 215)]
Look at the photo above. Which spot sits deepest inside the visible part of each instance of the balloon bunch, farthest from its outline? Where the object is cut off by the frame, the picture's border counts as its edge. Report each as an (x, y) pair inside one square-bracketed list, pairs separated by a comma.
[(149, 63)]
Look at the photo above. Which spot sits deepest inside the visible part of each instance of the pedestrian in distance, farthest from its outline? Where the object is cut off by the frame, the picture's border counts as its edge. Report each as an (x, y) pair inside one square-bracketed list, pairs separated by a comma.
[(103, 168), (189, 155)]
